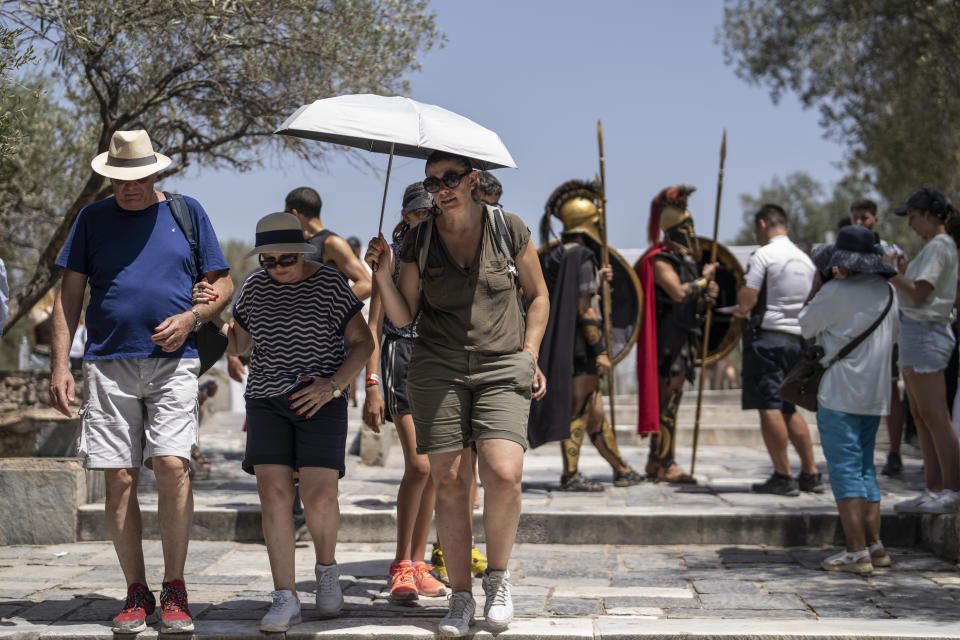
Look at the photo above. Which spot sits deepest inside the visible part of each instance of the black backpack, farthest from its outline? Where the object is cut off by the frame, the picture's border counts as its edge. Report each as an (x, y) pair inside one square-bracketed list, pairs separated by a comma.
[(211, 343)]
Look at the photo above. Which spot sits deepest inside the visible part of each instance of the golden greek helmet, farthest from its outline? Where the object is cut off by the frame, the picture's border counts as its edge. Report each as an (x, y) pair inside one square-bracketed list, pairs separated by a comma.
[(574, 203), (668, 211)]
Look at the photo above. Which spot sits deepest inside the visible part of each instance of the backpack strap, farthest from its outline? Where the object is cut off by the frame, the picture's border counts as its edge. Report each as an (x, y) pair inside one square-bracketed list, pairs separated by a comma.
[(424, 229), (504, 242), (181, 214)]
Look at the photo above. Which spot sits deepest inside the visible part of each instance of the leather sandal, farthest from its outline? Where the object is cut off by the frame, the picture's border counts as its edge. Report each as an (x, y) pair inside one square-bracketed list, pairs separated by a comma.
[(577, 482), (652, 469), (675, 475)]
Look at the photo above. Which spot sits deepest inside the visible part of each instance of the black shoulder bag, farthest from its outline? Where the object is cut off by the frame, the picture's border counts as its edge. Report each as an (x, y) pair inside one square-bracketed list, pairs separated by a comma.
[(802, 382), (211, 343)]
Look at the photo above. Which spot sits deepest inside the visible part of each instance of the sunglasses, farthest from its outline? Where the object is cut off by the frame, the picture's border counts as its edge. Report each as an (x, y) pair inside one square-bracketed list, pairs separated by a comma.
[(450, 180), (286, 260)]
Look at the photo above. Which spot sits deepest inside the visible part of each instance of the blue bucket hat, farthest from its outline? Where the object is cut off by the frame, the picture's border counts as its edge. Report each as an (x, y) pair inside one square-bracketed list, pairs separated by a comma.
[(856, 249)]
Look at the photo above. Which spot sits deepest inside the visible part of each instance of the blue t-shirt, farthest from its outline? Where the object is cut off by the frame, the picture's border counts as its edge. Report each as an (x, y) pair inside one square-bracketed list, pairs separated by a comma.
[(140, 271)]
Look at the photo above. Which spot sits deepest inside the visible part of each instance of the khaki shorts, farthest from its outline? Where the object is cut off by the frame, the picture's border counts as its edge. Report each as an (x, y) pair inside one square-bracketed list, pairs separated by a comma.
[(458, 397), (138, 408)]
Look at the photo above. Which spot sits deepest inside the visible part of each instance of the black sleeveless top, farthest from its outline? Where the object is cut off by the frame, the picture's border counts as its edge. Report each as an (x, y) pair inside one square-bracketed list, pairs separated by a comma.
[(318, 242)]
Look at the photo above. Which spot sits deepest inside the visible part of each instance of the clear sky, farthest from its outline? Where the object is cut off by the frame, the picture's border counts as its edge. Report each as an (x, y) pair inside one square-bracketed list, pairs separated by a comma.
[(540, 74)]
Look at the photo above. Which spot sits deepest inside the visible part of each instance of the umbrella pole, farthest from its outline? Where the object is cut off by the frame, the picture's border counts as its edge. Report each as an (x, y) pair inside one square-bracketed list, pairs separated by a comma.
[(386, 185)]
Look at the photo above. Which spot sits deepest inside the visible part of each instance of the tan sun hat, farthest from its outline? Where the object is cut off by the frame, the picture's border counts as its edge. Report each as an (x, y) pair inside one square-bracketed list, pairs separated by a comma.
[(280, 233), (131, 157)]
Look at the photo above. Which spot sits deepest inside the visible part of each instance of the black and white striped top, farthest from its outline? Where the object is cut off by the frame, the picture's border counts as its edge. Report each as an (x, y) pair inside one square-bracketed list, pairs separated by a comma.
[(297, 328)]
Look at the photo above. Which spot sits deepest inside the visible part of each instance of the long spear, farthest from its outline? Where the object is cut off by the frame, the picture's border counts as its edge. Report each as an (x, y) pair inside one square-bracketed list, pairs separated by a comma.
[(605, 284), (706, 323)]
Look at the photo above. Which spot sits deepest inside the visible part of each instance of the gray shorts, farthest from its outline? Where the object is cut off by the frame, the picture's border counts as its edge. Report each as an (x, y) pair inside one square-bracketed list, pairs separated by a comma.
[(925, 345), (458, 397), (138, 408)]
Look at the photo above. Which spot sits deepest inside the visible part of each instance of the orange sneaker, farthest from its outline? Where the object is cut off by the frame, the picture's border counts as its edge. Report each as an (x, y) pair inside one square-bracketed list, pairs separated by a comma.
[(403, 582), (427, 585)]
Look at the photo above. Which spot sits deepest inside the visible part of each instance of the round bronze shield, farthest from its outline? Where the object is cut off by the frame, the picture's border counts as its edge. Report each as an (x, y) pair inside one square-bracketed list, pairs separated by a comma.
[(724, 327), (626, 303)]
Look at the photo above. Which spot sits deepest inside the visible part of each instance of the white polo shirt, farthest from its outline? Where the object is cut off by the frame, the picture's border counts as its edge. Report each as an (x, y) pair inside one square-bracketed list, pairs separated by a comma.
[(789, 275)]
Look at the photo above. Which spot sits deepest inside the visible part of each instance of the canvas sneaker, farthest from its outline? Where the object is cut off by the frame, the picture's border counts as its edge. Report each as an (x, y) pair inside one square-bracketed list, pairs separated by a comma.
[(427, 585), (403, 582), (460, 615), (857, 562), (811, 482), (498, 607), (913, 504), (945, 502), (139, 608), (329, 595), (284, 611), (779, 485), (174, 609)]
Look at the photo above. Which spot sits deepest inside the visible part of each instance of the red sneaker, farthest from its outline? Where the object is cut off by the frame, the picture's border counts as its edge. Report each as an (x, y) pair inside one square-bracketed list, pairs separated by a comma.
[(403, 582), (174, 609), (426, 583), (139, 606)]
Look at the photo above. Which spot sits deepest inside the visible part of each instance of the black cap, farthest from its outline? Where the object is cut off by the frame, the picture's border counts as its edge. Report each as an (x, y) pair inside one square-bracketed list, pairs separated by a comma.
[(416, 197), (926, 199)]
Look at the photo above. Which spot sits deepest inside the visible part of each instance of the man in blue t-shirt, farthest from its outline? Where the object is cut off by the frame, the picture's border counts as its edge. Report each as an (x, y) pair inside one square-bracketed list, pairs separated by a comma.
[(140, 363)]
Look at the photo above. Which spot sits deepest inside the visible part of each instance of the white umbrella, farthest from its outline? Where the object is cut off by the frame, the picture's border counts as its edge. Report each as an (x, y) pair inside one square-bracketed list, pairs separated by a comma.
[(398, 126)]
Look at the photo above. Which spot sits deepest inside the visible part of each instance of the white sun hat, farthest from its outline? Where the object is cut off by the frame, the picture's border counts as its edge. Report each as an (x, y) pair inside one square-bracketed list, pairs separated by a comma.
[(280, 233), (130, 157)]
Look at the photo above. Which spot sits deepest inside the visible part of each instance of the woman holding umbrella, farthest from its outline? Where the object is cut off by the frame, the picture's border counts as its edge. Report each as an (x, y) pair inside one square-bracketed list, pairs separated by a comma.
[(473, 369)]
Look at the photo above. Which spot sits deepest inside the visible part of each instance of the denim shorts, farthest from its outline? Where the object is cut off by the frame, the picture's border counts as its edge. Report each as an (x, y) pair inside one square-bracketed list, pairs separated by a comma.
[(458, 397), (394, 362), (848, 441), (925, 345)]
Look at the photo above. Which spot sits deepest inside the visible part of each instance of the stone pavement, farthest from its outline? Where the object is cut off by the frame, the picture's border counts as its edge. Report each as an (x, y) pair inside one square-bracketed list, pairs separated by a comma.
[(722, 510), (589, 591), (650, 561)]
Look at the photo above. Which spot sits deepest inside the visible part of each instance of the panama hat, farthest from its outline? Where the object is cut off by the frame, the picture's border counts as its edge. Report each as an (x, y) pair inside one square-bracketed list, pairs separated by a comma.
[(280, 233), (131, 157)]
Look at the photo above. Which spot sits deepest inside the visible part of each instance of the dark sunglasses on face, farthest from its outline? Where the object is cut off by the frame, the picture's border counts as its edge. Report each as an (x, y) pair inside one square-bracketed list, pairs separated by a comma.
[(450, 180), (286, 260)]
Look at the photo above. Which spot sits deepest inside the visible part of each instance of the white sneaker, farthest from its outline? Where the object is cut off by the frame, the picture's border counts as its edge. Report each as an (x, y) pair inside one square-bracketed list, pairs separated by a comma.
[(498, 608), (945, 502), (284, 611), (460, 616), (329, 595), (913, 504)]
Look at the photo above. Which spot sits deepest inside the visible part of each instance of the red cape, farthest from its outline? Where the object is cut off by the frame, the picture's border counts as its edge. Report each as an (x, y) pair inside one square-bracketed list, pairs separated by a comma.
[(648, 411)]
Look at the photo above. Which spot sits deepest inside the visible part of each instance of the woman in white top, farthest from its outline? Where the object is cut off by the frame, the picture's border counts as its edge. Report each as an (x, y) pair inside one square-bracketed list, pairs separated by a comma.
[(854, 391), (927, 288)]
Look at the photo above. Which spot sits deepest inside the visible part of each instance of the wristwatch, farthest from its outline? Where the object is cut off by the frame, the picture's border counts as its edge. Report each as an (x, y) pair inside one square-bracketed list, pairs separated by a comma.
[(336, 388), (199, 323)]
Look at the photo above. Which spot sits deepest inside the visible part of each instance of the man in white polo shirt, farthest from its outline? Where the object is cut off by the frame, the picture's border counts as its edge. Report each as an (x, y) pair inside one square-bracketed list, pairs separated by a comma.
[(777, 282)]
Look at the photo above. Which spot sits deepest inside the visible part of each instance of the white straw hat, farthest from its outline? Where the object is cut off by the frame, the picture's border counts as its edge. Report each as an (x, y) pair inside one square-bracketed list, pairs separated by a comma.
[(131, 157), (280, 233)]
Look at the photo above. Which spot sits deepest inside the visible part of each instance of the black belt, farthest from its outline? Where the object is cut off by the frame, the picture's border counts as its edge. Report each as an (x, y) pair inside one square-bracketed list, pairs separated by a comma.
[(773, 333)]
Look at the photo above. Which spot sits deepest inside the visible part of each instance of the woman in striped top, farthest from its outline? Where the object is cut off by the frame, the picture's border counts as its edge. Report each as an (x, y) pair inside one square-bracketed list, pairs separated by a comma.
[(297, 314)]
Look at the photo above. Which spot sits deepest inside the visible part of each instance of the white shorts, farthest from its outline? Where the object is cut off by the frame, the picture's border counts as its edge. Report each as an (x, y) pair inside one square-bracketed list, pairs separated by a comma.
[(138, 408)]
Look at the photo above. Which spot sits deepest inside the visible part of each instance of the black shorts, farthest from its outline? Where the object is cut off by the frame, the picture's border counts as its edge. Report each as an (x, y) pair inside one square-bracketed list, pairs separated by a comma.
[(394, 362), (766, 362), (277, 435)]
